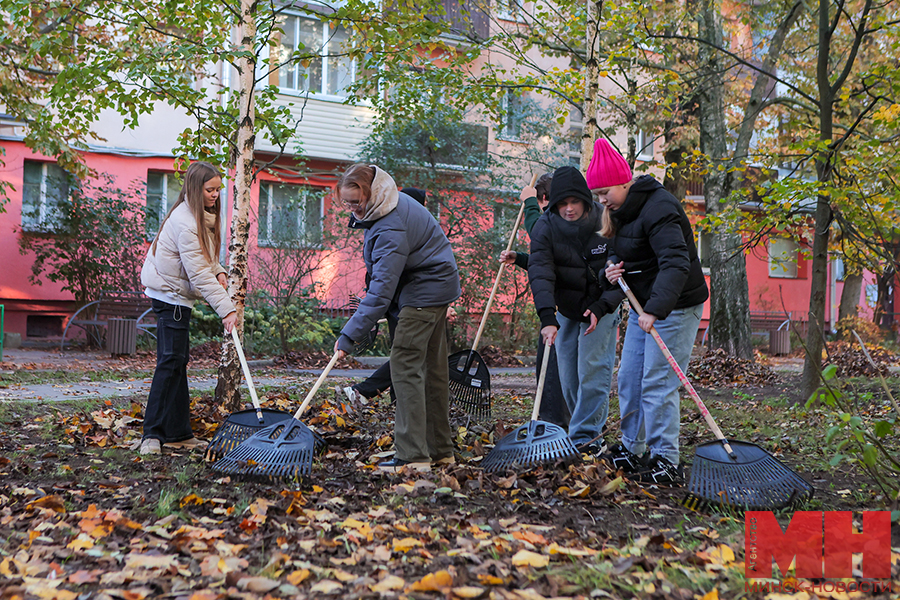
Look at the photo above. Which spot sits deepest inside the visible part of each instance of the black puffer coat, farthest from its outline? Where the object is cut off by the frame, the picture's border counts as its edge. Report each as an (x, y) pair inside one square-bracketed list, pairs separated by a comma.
[(567, 258), (653, 236)]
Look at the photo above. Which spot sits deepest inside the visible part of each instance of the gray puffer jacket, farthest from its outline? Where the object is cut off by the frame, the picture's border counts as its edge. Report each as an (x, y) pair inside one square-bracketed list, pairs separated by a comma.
[(178, 267), (408, 259)]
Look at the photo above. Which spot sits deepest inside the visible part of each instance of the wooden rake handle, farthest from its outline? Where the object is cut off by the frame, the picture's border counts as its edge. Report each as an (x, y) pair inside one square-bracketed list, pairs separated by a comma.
[(512, 238), (246, 368), (681, 376), (316, 386), (540, 389)]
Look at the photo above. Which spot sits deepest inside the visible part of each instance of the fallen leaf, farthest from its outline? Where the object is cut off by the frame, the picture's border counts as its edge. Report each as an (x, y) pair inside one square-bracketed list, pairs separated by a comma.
[(468, 591), (713, 595), (259, 585), (610, 487), (298, 576), (388, 584), (343, 576), (526, 558), (326, 586), (433, 582), (406, 544)]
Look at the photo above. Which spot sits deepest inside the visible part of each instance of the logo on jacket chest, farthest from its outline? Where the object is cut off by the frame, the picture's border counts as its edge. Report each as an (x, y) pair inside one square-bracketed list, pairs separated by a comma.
[(601, 249)]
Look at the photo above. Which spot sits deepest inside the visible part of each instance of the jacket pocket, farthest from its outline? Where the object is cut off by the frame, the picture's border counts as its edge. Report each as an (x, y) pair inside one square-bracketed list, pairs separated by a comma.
[(414, 328)]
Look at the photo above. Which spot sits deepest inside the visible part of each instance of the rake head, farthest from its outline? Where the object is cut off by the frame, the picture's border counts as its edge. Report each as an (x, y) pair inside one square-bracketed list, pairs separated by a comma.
[(241, 425), (528, 446), (284, 450), (755, 480), (470, 383)]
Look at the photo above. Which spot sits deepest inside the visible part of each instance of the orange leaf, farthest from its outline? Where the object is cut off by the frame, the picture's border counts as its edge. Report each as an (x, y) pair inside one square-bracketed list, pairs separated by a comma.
[(433, 582), (297, 577), (531, 538)]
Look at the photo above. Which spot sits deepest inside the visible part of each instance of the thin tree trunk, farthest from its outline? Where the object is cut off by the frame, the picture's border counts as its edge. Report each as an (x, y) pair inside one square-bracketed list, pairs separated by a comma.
[(729, 324), (850, 296), (229, 370), (589, 128)]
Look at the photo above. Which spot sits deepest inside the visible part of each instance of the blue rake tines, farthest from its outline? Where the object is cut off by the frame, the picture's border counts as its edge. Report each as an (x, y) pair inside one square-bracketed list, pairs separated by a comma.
[(283, 450), (528, 446)]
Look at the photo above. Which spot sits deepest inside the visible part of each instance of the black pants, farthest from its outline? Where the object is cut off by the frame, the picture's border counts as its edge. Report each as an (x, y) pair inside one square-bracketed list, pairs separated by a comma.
[(168, 414), (553, 404), (380, 380)]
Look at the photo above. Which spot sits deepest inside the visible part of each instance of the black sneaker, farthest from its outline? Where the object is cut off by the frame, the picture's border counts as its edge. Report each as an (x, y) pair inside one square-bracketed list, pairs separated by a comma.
[(593, 448), (660, 471), (620, 457)]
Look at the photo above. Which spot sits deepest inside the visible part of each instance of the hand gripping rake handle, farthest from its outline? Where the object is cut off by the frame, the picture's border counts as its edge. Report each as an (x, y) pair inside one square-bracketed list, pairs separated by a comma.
[(487, 307), (316, 386), (246, 368), (540, 389), (681, 376)]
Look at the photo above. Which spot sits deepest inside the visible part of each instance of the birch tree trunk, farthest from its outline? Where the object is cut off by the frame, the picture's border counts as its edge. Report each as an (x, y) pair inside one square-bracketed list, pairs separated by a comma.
[(850, 296), (229, 369), (589, 128)]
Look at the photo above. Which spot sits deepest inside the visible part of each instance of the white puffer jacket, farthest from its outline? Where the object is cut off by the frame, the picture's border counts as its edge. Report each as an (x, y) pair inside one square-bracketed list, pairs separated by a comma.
[(179, 269)]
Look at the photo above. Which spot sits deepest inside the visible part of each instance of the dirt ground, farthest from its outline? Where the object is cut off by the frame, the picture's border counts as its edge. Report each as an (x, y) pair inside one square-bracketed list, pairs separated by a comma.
[(83, 516)]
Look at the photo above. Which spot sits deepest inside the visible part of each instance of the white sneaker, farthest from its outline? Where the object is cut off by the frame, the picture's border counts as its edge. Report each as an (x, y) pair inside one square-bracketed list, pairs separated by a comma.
[(150, 446), (353, 396)]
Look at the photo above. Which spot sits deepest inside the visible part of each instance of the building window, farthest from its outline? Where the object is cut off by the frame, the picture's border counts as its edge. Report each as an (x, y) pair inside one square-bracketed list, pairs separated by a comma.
[(783, 258), (45, 187), (162, 192), (509, 10), (290, 215), (318, 66), (644, 146), (513, 116)]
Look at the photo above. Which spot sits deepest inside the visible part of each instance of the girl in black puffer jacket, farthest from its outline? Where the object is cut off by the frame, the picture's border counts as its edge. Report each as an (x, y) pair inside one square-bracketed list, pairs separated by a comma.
[(567, 258), (651, 243)]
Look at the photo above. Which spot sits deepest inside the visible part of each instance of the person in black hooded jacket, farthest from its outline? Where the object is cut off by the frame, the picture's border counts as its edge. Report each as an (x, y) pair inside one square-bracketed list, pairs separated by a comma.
[(564, 268), (652, 246)]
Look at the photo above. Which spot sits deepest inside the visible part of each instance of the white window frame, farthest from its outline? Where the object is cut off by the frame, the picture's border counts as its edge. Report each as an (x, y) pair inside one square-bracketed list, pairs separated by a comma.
[(643, 144), (164, 203), (267, 187), (43, 210), (323, 56), (505, 134), (780, 265)]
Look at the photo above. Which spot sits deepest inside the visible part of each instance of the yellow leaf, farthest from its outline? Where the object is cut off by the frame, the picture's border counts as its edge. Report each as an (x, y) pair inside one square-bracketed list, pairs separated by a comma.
[(388, 584), (326, 586), (580, 492), (318, 489), (343, 576), (555, 548), (82, 542), (489, 579), (713, 595), (610, 487), (722, 554), (340, 421), (297, 577), (467, 591), (433, 582), (526, 558), (406, 544)]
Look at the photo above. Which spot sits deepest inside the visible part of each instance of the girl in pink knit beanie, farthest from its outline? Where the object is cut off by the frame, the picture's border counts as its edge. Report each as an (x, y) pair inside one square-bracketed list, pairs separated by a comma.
[(609, 177)]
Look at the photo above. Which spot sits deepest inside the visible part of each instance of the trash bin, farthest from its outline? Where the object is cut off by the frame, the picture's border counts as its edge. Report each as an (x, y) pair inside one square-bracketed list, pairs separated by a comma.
[(780, 341), (121, 336)]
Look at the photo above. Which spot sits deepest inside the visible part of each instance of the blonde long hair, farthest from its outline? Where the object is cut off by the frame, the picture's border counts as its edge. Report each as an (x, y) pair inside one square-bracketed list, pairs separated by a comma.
[(607, 227), (192, 192)]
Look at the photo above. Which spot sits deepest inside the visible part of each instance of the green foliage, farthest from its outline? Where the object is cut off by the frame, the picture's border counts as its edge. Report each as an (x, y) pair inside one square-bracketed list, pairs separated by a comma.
[(93, 240), (863, 429)]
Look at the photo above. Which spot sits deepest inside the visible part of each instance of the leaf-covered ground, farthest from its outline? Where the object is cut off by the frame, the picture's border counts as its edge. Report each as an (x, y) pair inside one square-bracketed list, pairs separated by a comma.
[(83, 516)]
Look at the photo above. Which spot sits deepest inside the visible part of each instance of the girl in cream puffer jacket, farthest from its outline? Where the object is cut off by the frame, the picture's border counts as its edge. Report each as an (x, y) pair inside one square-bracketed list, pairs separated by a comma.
[(181, 268)]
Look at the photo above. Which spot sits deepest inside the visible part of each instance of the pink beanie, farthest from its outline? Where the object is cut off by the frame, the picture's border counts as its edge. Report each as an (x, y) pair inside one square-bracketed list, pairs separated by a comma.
[(607, 167)]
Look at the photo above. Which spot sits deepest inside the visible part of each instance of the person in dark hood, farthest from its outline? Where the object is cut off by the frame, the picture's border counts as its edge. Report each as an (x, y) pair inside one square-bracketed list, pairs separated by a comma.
[(553, 404), (564, 268), (652, 245), (410, 264)]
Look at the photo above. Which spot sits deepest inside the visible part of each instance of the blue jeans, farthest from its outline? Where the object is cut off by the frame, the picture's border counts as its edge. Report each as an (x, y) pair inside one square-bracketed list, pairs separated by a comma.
[(168, 414), (585, 373), (648, 387)]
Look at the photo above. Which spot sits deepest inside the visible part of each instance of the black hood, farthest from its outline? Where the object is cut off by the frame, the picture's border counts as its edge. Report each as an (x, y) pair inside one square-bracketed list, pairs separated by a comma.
[(569, 182), (637, 196)]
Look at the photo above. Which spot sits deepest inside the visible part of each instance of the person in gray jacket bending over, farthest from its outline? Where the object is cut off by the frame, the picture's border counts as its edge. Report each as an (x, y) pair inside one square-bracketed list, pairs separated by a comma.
[(409, 260)]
